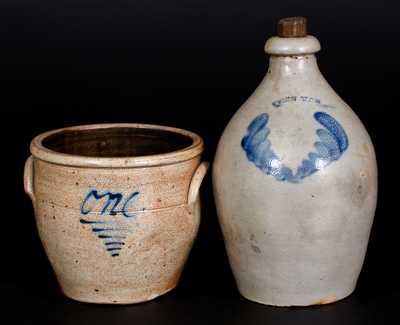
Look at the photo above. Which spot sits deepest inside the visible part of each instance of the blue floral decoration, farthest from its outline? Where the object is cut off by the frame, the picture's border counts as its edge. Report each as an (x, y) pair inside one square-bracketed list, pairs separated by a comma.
[(332, 142)]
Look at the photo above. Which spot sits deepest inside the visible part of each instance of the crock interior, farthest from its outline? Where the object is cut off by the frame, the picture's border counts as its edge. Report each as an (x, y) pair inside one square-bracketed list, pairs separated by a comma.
[(116, 142)]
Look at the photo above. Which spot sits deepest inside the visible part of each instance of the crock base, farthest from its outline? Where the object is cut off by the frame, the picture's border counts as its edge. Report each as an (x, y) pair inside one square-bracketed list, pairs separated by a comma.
[(124, 301)]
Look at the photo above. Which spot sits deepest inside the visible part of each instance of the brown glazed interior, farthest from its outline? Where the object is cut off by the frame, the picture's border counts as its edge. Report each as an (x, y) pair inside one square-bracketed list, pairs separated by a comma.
[(116, 142)]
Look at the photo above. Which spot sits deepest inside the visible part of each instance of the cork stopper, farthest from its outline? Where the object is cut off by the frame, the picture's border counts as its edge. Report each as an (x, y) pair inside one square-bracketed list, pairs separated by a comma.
[(292, 27)]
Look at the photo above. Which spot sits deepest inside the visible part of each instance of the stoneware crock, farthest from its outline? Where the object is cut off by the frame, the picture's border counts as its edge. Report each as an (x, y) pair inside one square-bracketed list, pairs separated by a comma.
[(295, 182), (117, 207)]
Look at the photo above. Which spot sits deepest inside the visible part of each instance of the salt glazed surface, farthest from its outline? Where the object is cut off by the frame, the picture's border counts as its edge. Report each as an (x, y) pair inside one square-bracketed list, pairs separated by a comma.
[(332, 143), (111, 225), (295, 185), (117, 225)]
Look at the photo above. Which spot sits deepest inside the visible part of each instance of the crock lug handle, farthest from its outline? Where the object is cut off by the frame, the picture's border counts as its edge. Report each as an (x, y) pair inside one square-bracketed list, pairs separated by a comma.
[(196, 182), (28, 178)]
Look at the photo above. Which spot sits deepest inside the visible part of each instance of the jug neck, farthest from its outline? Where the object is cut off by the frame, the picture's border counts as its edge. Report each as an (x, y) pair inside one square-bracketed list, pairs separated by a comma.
[(292, 66), (292, 56)]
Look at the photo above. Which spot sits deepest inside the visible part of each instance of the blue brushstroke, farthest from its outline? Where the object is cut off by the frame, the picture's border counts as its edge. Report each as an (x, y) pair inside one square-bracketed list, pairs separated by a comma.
[(332, 142), (334, 127), (90, 221), (114, 243), (110, 229), (114, 249), (112, 200), (108, 236), (128, 203), (111, 204), (93, 222)]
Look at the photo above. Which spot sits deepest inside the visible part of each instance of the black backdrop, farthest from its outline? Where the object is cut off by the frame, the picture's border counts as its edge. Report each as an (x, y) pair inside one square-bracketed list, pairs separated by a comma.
[(188, 64)]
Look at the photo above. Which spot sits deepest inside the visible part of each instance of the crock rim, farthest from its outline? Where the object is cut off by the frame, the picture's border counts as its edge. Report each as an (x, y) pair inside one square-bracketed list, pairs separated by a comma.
[(39, 151)]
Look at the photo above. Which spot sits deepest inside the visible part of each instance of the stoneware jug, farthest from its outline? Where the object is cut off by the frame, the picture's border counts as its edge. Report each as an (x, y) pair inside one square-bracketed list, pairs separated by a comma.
[(295, 182), (117, 207)]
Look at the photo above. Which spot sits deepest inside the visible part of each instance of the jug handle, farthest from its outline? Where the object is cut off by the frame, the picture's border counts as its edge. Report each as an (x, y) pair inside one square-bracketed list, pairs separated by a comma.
[(28, 178), (196, 181)]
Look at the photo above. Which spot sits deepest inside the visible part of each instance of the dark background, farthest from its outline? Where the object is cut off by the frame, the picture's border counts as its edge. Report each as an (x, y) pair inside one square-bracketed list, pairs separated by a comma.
[(188, 64)]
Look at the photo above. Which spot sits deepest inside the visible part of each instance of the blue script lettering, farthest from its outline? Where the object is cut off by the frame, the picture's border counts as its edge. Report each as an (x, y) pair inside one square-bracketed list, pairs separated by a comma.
[(110, 202)]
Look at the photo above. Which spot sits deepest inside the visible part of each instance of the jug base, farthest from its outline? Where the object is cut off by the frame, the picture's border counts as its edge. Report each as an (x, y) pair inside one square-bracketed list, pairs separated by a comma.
[(298, 302)]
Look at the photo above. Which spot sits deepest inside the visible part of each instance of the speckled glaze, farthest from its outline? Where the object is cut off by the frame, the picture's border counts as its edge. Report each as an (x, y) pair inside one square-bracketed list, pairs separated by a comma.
[(155, 203), (295, 184)]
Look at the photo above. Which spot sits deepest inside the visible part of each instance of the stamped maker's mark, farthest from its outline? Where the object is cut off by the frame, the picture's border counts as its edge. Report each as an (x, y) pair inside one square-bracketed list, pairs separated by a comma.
[(300, 99)]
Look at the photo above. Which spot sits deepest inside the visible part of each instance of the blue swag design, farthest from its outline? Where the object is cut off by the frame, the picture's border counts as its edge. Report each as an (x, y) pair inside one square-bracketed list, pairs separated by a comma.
[(332, 142)]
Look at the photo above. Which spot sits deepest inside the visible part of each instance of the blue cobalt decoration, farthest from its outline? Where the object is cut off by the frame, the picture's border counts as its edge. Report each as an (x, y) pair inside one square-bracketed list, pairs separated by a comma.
[(108, 215), (332, 142)]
